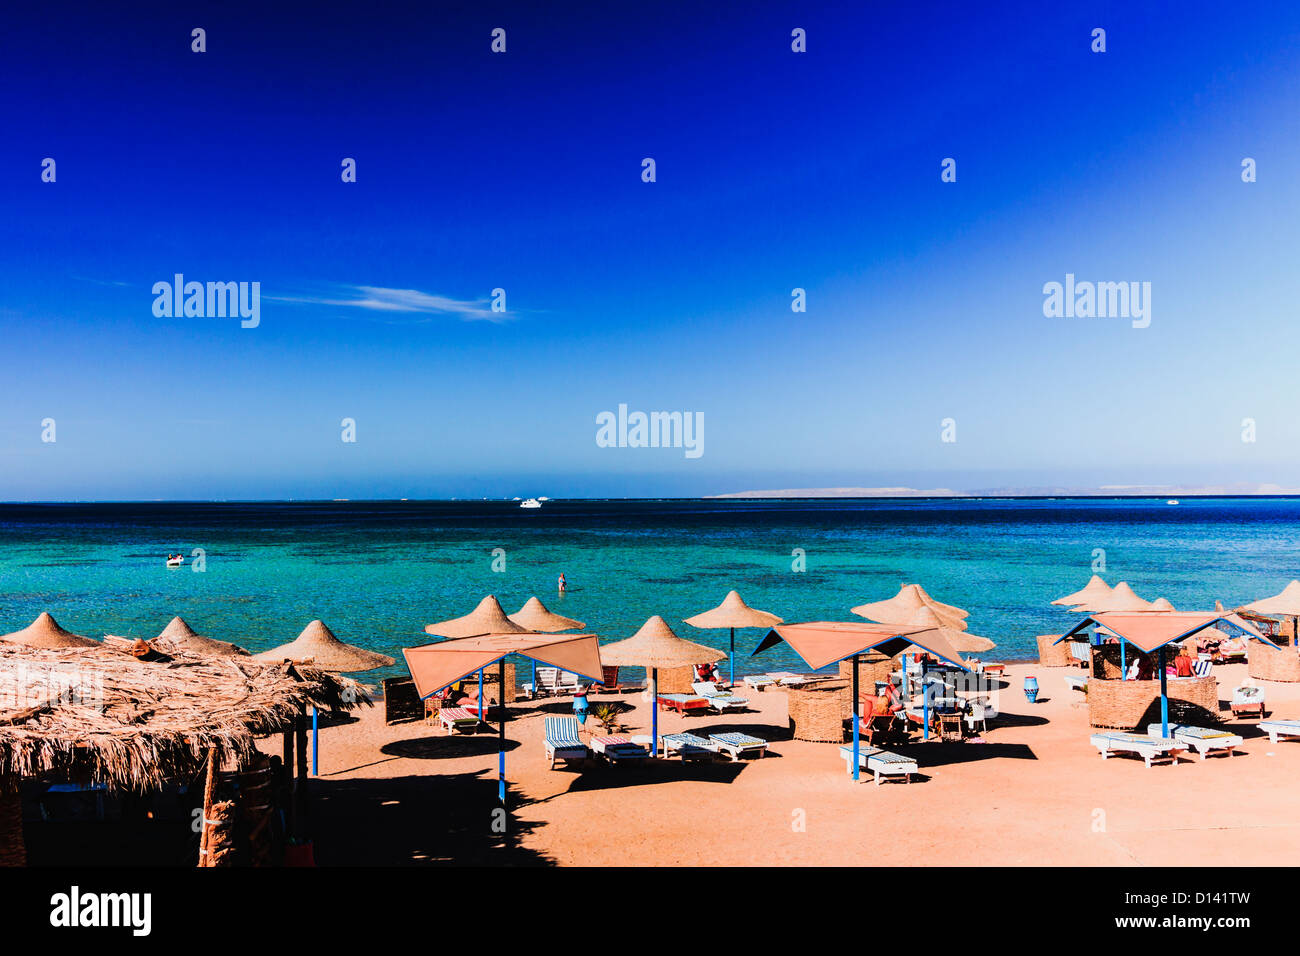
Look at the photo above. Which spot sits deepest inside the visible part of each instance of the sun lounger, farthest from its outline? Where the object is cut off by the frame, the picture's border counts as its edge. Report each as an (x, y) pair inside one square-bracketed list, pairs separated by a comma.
[(1147, 747), (737, 745), (683, 702), (1200, 739), (786, 678), (1202, 668), (688, 746), (1280, 729), (880, 763), (719, 700), (994, 670), (617, 748), (758, 682), (562, 741), (457, 718), (1076, 683)]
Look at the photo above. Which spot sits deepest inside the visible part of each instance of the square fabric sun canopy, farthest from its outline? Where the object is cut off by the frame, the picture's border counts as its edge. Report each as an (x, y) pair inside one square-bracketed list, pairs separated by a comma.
[(439, 665), (822, 643), (1149, 632)]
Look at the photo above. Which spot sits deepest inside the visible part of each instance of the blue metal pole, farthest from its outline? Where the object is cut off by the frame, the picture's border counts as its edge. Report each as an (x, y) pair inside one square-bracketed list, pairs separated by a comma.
[(654, 712), (480, 696), (1123, 659), (925, 705), (856, 720), (501, 739), (733, 657), (1164, 697), (535, 694), (315, 741)]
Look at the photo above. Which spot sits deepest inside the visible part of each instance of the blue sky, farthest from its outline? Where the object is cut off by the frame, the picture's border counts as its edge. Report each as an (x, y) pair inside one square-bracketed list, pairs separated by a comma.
[(522, 171)]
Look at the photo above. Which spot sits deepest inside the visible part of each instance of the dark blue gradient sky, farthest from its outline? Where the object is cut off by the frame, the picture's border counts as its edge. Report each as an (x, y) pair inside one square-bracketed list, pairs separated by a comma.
[(521, 171)]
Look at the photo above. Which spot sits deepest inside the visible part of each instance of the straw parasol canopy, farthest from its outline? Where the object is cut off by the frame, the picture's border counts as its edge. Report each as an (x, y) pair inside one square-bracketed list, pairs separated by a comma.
[(1286, 603), (1161, 604), (904, 605), (1121, 598), (178, 636), (1094, 590), (44, 632), (487, 618), (960, 640), (317, 645), (534, 616), (656, 646), (734, 612)]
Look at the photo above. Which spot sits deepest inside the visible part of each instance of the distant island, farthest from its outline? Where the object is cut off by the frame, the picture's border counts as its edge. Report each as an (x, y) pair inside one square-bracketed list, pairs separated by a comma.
[(1103, 491)]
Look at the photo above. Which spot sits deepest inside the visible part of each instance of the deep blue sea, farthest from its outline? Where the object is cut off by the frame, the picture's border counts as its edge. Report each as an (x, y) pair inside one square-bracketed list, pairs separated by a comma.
[(376, 572)]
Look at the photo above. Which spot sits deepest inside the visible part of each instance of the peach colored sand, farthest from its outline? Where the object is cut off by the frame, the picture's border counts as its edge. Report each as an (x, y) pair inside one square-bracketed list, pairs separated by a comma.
[(1036, 793)]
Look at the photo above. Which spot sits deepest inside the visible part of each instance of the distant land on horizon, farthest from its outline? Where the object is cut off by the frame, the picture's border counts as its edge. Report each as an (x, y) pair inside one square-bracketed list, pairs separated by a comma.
[(1104, 491)]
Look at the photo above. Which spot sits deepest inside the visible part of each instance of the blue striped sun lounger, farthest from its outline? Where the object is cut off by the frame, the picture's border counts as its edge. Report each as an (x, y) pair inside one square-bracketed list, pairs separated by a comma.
[(1200, 739), (737, 745), (688, 746), (562, 741), (1280, 729), (719, 700), (1145, 746), (880, 763)]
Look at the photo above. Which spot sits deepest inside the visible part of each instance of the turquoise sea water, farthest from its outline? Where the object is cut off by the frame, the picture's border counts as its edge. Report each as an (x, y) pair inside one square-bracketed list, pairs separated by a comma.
[(376, 572)]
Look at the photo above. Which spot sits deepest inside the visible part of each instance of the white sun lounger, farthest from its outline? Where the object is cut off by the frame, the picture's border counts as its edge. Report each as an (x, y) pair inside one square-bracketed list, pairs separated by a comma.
[(1076, 683), (1280, 729), (719, 700), (562, 741), (758, 682), (688, 746), (1145, 746), (880, 763), (1201, 739), (737, 745)]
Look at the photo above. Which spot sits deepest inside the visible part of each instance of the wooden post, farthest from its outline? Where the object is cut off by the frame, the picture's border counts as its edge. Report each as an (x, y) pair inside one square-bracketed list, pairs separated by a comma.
[(209, 789), (300, 787)]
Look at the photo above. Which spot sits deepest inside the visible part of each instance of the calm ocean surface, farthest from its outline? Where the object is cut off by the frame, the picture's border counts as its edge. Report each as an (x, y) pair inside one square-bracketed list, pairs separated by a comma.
[(376, 572)]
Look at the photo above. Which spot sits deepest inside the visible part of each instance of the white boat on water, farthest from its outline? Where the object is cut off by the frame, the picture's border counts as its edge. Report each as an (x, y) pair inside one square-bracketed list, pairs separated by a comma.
[(175, 561), (1172, 501), (530, 503)]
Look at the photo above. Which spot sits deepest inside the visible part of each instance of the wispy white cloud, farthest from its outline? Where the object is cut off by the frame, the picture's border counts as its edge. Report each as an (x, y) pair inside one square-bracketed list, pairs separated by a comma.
[(411, 301)]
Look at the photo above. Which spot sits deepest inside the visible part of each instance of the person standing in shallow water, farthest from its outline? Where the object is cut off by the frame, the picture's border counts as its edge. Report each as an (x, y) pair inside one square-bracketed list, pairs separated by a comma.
[(561, 582)]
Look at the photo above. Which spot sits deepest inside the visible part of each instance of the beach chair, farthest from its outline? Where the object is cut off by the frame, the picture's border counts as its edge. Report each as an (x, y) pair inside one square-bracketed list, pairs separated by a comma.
[(1248, 699), (1147, 747), (786, 679), (1202, 667), (688, 747), (683, 702), (737, 745), (457, 718), (879, 763), (758, 682), (719, 700), (618, 748), (1076, 683), (994, 670), (1280, 729), (562, 741), (1081, 653), (1201, 739)]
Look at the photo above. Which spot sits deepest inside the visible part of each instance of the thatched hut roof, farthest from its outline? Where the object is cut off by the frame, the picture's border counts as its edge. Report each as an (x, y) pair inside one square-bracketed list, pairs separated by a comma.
[(179, 638), (535, 616), (99, 715), (317, 645)]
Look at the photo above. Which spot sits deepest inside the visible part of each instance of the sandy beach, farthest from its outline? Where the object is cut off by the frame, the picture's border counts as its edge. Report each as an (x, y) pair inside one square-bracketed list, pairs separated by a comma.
[(1035, 793)]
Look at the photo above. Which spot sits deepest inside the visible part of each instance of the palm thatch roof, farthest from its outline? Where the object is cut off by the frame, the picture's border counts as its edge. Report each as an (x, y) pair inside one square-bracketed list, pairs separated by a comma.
[(535, 616), (487, 618), (179, 638), (734, 612), (656, 646), (98, 715)]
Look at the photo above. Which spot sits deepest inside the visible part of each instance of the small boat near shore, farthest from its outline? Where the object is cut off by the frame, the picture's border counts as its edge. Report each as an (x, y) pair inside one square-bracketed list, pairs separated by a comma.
[(175, 561), (530, 503)]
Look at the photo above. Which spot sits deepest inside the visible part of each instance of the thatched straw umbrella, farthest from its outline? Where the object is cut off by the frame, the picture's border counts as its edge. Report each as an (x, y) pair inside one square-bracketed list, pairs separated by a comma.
[(44, 633), (910, 599), (534, 616), (732, 613), (1094, 590), (487, 618), (318, 646), (961, 641), (652, 647), (1122, 598), (1161, 604), (178, 636), (1286, 603)]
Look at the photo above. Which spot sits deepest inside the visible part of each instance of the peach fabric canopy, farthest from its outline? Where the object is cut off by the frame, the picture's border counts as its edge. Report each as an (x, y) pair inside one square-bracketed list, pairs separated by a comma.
[(821, 643), (1149, 632), (910, 599), (1094, 590), (439, 665), (961, 641), (534, 616), (1284, 603), (487, 618), (44, 632)]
